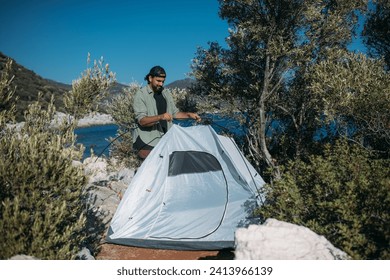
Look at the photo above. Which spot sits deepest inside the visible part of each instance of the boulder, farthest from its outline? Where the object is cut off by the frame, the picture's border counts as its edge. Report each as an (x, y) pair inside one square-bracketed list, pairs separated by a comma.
[(105, 189), (277, 240), (23, 257), (84, 254)]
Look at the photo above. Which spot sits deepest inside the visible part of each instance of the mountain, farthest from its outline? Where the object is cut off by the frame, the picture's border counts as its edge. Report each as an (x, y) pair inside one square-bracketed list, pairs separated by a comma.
[(29, 84), (182, 84)]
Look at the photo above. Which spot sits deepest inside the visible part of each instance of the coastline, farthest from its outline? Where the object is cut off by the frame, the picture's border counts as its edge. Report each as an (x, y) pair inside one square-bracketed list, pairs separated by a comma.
[(95, 119), (92, 119)]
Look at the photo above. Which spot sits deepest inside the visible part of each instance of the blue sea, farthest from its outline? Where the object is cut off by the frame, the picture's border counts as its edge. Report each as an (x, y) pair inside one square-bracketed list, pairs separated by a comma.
[(97, 137)]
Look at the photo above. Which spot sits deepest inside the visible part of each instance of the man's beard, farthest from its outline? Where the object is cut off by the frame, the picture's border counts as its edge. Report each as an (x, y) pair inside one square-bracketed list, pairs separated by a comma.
[(158, 89)]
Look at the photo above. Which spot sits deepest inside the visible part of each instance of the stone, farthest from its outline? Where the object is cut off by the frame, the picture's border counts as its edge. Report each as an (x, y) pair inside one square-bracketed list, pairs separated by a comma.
[(277, 240), (84, 254), (23, 257)]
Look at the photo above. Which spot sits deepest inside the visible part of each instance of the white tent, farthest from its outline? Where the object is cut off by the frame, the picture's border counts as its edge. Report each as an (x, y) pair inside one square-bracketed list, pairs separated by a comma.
[(192, 192)]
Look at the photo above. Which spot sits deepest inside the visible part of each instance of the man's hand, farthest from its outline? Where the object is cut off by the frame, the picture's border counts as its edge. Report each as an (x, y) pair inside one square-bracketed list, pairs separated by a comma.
[(166, 117), (194, 116)]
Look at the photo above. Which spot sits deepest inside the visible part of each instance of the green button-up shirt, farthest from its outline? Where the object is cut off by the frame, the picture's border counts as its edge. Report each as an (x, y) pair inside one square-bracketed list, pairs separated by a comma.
[(144, 105)]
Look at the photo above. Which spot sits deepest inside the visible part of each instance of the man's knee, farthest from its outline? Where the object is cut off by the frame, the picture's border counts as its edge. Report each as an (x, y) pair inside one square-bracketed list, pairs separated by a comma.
[(143, 153)]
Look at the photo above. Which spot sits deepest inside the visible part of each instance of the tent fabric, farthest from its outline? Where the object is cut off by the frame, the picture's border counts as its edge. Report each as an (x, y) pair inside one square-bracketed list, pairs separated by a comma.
[(192, 192)]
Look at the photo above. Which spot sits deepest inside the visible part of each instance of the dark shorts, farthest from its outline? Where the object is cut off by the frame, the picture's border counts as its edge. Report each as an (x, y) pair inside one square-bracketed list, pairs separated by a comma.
[(140, 145)]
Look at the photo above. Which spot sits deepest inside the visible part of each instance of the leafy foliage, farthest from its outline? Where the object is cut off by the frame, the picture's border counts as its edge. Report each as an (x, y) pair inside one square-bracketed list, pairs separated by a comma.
[(377, 31), (343, 195), (87, 91), (356, 97), (7, 100), (271, 45), (41, 186), (41, 191), (121, 110)]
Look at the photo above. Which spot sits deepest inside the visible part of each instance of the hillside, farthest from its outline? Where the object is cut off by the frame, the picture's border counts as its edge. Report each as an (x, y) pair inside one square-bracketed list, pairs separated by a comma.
[(182, 84), (29, 84)]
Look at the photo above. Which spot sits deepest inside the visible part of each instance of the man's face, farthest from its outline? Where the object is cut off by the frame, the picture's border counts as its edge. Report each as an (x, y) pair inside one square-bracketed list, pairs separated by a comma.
[(156, 83)]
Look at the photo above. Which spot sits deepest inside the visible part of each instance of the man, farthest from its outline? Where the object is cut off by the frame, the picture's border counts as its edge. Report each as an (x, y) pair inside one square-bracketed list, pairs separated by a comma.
[(154, 110)]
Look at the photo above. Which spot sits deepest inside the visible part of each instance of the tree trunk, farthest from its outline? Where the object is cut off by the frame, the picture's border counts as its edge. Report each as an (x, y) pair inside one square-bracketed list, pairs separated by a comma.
[(263, 122)]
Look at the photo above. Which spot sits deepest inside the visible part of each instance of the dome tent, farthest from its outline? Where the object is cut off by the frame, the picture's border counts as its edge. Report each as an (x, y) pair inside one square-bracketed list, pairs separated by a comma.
[(191, 193)]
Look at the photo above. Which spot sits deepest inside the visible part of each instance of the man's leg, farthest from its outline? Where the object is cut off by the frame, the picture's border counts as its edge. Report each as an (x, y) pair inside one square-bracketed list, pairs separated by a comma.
[(143, 153)]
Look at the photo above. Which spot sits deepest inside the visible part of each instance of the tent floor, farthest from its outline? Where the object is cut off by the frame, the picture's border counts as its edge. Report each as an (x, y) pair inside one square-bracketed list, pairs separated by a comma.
[(119, 252)]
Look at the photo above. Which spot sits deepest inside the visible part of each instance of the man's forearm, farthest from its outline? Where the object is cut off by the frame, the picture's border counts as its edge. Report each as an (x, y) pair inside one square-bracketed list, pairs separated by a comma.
[(149, 121), (152, 120)]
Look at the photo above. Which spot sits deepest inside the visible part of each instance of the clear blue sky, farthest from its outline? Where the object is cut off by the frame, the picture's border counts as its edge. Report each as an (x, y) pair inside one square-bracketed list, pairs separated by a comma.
[(53, 37)]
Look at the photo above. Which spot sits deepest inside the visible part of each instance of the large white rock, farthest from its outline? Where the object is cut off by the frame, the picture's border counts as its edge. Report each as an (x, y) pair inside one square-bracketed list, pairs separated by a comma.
[(23, 257), (88, 120), (96, 169), (95, 119), (277, 240)]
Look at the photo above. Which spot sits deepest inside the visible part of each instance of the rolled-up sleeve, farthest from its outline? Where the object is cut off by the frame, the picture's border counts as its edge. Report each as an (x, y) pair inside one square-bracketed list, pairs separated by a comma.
[(139, 106)]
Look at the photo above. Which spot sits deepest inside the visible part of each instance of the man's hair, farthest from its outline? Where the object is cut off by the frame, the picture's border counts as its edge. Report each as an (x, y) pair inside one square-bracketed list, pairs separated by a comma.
[(156, 71)]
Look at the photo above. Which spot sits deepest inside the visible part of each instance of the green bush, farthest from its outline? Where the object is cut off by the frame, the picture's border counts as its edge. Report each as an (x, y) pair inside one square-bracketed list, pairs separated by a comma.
[(89, 89), (121, 110), (41, 190), (343, 195), (42, 210), (7, 99)]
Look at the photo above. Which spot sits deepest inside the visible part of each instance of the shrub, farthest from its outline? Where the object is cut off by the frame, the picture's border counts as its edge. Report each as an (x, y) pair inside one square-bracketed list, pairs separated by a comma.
[(41, 211), (7, 100), (41, 179), (343, 195), (89, 89), (121, 110)]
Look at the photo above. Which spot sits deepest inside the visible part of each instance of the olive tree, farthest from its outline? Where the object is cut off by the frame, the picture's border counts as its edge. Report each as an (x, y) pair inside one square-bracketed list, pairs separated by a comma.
[(377, 30), (317, 114), (270, 47), (355, 91)]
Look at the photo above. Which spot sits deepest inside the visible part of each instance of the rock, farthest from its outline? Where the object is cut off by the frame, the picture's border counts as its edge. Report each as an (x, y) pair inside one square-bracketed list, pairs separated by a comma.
[(125, 175), (96, 169), (94, 118), (23, 257), (84, 254), (105, 190), (277, 240), (105, 199)]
